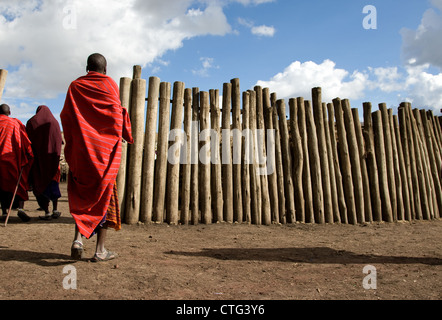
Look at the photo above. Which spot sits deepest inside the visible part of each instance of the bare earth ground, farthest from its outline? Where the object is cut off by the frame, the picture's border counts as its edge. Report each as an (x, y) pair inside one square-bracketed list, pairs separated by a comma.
[(223, 262)]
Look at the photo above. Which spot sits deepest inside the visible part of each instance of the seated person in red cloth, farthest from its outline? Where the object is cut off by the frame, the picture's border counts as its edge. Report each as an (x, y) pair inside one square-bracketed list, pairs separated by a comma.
[(16, 158), (45, 134), (94, 124)]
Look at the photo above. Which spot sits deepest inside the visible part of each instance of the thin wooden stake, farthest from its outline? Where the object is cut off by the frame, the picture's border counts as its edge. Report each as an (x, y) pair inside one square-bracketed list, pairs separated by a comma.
[(147, 184), (323, 154), (125, 87), (287, 162), (133, 192)]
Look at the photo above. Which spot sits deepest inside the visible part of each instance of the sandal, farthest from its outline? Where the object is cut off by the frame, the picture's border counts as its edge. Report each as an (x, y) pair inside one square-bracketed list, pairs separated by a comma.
[(77, 253), (56, 214), (109, 256), (46, 217), (23, 216)]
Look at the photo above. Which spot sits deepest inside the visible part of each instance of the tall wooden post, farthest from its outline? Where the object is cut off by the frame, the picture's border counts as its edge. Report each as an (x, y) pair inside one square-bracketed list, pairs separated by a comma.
[(410, 161), (137, 71), (206, 208), (323, 154), (147, 184), (344, 154), (341, 215), (132, 204), (387, 211), (297, 161), (162, 147), (227, 154), (429, 186), (306, 171), (354, 160), (255, 181), (418, 161), (333, 184), (389, 158), (364, 171), (271, 157), (396, 168), (403, 167), (287, 161), (194, 177), (174, 155), (247, 158), (185, 189), (236, 152), (266, 214), (3, 76), (278, 161), (433, 161), (434, 124), (216, 175), (315, 163), (435, 139), (125, 85), (372, 167)]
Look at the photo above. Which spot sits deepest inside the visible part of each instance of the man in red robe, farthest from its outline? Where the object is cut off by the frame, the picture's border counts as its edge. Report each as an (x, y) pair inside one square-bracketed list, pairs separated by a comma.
[(45, 134), (94, 124), (16, 158)]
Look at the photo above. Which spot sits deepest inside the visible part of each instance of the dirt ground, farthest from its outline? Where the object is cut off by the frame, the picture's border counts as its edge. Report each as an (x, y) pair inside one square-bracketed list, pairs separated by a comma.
[(223, 262)]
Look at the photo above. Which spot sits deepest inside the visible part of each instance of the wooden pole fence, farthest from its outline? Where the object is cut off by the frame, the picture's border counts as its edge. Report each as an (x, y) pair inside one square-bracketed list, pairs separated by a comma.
[(258, 160)]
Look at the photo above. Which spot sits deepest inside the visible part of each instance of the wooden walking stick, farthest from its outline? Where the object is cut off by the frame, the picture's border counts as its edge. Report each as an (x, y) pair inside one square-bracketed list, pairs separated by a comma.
[(13, 197)]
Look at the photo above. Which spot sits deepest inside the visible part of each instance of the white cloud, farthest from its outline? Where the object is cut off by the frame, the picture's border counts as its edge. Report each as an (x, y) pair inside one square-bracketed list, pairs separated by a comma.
[(423, 45), (254, 2), (424, 89), (298, 79), (264, 31), (421, 51), (387, 79), (245, 22), (44, 51), (207, 64), (414, 84)]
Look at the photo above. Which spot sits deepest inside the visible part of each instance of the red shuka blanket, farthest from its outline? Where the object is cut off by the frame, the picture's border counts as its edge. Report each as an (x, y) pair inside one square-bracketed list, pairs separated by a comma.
[(15, 154), (94, 123), (45, 134)]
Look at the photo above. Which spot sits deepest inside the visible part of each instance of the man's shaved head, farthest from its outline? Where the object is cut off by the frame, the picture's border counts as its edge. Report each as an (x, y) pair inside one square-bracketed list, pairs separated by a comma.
[(97, 62), (5, 110)]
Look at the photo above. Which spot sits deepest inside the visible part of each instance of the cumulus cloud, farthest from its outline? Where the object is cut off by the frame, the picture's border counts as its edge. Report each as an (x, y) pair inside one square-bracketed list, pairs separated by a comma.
[(414, 83), (424, 89), (45, 43), (423, 45), (206, 65), (264, 31), (254, 2), (298, 79)]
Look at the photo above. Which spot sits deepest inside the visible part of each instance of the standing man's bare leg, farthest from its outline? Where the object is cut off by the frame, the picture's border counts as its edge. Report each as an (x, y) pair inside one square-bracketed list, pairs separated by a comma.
[(101, 254), (77, 245)]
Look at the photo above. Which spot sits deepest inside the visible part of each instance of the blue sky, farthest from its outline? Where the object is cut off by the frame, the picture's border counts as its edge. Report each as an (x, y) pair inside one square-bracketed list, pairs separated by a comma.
[(288, 46)]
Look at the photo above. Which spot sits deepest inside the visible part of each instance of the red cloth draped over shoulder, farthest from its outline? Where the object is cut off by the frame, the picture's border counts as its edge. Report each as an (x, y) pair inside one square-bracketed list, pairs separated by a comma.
[(45, 134), (94, 123), (15, 154)]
